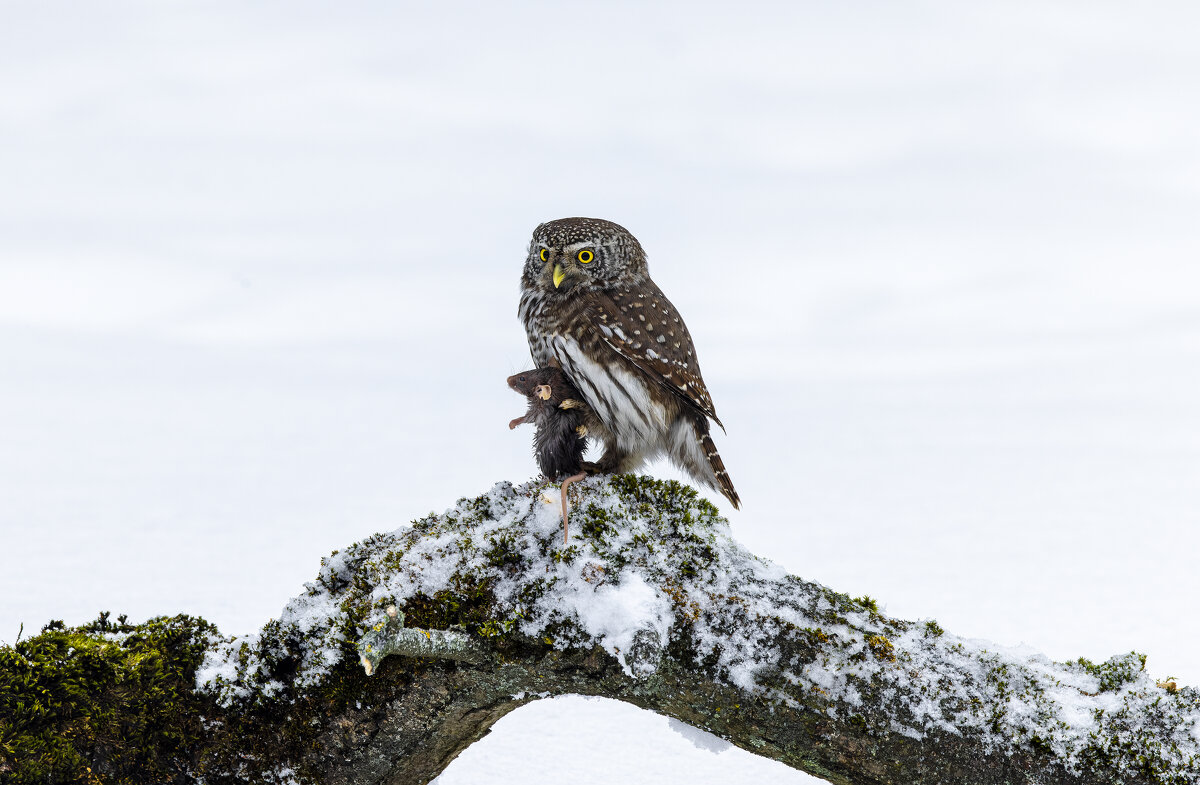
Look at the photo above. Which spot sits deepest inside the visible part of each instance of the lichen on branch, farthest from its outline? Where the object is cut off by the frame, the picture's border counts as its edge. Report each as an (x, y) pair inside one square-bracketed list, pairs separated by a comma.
[(392, 637)]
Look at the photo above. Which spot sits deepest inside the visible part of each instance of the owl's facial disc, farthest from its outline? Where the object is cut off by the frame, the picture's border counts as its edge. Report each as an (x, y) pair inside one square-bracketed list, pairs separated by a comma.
[(570, 265)]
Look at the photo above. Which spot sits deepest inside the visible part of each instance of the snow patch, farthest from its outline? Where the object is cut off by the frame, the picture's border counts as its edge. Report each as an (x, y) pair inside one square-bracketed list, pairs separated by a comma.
[(616, 614), (701, 739)]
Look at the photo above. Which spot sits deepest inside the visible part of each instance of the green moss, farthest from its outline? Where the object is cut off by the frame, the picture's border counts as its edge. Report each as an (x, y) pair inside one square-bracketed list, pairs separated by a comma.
[(105, 702), (501, 552), (1040, 745), (933, 629), (867, 604), (839, 605), (815, 637), (469, 605), (1116, 671), (565, 555), (998, 678), (597, 524), (644, 489), (882, 648)]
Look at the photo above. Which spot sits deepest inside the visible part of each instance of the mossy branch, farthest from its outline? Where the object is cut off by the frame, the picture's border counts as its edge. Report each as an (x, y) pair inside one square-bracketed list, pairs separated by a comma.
[(464, 616)]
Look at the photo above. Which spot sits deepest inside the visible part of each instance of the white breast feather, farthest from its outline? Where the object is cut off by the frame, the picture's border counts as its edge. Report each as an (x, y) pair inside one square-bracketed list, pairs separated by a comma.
[(633, 416)]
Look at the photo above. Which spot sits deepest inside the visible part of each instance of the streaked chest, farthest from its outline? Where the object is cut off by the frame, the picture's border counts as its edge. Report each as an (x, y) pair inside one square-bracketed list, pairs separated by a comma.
[(547, 318), (617, 391)]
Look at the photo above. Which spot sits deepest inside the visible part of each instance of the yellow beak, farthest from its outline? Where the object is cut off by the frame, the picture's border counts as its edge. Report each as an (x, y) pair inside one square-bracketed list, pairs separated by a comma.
[(559, 274)]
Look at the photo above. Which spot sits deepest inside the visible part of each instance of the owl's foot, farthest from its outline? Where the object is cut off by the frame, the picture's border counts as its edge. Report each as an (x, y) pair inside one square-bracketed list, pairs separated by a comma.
[(615, 461), (519, 421), (563, 493), (598, 467)]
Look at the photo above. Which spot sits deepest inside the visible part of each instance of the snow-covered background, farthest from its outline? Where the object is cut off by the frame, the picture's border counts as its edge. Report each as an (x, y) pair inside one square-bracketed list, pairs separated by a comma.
[(258, 285)]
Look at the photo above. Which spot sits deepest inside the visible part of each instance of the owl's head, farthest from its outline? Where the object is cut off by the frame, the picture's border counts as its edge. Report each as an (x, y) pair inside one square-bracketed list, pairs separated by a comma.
[(573, 255)]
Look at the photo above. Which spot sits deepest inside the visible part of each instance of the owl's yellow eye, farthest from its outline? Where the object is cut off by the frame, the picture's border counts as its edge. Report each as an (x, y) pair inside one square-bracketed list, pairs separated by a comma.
[(585, 256), (544, 254)]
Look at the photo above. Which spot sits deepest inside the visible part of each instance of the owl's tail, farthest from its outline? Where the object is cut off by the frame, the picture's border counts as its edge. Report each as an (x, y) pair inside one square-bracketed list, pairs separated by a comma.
[(695, 452), (724, 484)]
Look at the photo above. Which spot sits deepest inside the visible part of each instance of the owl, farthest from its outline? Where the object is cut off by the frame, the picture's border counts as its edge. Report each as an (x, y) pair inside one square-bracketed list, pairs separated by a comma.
[(589, 306)]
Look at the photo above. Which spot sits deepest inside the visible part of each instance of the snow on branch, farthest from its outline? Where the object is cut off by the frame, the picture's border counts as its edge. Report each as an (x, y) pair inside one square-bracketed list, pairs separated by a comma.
[(653, 602)]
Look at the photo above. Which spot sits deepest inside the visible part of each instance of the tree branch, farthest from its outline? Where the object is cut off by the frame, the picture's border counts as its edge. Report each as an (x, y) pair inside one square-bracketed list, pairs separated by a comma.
[(392, 637), (464, 616), (654, 603)]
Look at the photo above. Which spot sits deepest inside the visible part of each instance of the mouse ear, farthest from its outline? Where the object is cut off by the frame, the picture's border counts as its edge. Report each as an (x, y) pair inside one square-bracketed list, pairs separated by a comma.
[(554, 363)]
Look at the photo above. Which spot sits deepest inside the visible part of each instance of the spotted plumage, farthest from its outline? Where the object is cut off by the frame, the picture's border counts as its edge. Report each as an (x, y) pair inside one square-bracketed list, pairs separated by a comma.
[(589, 305)]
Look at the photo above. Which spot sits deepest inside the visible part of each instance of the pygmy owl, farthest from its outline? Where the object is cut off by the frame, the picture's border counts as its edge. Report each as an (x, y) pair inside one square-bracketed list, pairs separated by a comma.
[(588, 304)]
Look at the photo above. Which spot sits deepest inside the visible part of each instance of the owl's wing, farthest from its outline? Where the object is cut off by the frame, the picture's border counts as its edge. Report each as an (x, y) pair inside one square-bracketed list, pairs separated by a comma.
[(644, 327)]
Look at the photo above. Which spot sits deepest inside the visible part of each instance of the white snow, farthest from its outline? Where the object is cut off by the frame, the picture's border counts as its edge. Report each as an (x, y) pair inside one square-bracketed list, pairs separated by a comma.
[(614, 613), (215, 670), (700, 739), (576, 739)]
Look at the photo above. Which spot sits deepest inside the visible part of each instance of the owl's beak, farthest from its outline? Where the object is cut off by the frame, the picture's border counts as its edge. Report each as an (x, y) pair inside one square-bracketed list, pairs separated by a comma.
[(559, 275)]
